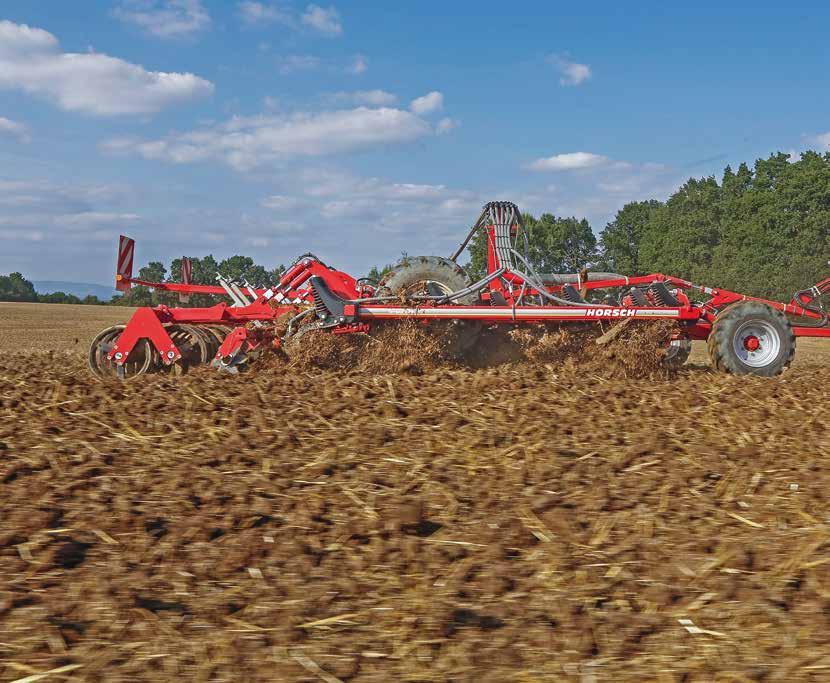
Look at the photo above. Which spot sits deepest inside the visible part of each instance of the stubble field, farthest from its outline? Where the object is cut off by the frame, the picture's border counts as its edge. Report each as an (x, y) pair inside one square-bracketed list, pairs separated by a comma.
[(516, 523)]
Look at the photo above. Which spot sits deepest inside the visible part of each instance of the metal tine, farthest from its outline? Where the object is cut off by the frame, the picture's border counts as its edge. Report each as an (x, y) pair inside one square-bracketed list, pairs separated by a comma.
[(226, 285), (236, 288), (251, 289)]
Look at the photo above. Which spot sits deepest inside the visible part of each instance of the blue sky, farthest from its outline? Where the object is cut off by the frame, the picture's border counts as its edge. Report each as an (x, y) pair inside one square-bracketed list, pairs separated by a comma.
[(361, 130)]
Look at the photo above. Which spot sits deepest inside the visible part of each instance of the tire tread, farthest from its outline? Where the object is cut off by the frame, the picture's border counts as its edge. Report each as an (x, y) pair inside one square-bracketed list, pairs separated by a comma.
[(719, 343)]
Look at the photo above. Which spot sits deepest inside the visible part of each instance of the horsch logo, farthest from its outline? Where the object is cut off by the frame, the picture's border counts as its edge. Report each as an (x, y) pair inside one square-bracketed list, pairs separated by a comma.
[(611, 312)]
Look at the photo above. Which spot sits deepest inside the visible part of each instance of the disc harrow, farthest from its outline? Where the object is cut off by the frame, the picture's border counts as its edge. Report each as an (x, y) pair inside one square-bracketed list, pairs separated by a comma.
[(143, 357), (751, 335)]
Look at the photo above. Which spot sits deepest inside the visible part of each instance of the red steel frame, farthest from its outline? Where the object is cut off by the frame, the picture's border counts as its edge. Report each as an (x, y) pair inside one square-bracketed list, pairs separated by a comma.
[(293, 294)]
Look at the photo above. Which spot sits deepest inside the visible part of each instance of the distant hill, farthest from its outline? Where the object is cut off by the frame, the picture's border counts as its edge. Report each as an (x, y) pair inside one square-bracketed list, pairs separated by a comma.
[(79, 289)]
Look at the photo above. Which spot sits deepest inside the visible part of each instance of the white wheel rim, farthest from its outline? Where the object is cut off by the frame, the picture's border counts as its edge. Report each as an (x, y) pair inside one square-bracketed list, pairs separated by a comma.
[(756, 343)]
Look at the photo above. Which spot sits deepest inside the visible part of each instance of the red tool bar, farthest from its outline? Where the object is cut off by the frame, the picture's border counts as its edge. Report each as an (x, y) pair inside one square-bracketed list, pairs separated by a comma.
[(183, 289), (811, 331), (497, 314), (221, 313)]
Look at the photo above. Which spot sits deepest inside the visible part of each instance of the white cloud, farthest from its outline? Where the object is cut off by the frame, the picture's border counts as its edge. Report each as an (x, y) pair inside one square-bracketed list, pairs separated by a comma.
[(89, 219), (293, 63), (431, 102), (410, 191), (572, 73), (598, 192), (33, 210), (280, 202), (15, 129), (359, 65), (822, 141), (375, 98), (393, 207), (31, 60), (247, 142), (260, 14), (568, 162), (320, 19), (326, 21), (165, 18), (445, 125), (22, 235), (258, 242)]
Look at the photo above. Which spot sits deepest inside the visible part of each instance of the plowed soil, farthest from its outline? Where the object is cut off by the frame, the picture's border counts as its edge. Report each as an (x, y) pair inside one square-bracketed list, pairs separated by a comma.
[(520, 523)]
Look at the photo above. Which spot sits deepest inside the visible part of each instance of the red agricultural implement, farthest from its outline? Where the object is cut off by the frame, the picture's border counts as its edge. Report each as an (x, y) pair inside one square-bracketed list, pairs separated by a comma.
[(746, 335)]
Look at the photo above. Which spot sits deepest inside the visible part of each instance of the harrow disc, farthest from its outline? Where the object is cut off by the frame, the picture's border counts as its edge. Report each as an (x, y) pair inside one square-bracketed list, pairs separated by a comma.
[(209, 345), (196, 345), (219, 333), (142, 359), (677, 353)]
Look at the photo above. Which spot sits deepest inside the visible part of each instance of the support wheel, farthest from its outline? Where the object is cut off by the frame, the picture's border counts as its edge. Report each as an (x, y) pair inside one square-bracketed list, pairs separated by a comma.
[(677, 353), (434, 275), (426, 275), (751, 338)]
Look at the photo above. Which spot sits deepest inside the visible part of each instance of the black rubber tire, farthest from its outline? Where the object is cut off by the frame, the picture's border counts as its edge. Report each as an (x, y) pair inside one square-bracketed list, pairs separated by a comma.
[(452, 278), (415, 269), (727, 325)]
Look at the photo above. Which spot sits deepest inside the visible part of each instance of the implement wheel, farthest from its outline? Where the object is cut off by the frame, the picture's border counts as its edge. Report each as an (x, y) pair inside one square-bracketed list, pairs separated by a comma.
[(434, 275), (677, 353), (424, 275), (751, 338)]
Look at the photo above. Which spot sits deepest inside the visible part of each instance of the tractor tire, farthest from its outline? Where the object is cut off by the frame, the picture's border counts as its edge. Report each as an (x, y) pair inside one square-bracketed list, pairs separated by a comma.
[(751, 338), (421, 270), (415, 273)]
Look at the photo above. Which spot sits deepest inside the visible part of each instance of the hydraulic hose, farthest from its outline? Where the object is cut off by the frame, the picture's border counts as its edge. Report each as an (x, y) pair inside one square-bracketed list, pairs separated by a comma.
[(534, 282)]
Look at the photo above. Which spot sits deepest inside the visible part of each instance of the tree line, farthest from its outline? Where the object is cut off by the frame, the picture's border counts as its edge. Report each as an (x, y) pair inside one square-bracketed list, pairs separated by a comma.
[(762, 231), (15, 287), (203, 272)]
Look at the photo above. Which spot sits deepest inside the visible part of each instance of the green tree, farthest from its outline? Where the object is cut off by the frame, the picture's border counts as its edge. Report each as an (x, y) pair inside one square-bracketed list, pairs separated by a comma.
[(376, 273), (681, 235), (154, 271), (555, 245), (476, 267), (775, 228), (15, 287), (203, 272), (137, 296), (242, 268), (561, 245), (620, 241), (58, 298), (762, 231)]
